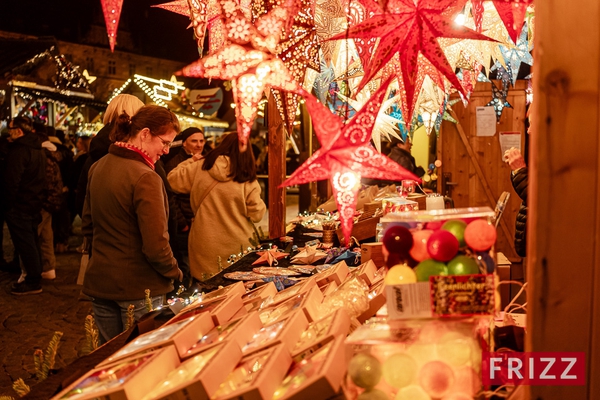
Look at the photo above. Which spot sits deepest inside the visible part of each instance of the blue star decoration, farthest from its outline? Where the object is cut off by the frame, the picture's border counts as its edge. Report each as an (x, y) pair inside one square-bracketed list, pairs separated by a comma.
[(503, 74), (499, 101), (520, 53), (445, 115)]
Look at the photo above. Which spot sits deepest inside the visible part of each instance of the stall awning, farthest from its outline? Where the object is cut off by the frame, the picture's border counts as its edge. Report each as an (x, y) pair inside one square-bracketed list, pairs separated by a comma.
[(68, 97)]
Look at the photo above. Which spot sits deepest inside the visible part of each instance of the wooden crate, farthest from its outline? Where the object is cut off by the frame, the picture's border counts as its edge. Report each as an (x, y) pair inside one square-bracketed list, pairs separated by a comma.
[(362, 230)]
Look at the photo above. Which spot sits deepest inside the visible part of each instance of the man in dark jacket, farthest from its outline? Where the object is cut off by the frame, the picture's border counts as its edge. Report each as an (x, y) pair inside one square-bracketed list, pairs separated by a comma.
[(24, 180), (401, 154), (520, 181), (192, 145)]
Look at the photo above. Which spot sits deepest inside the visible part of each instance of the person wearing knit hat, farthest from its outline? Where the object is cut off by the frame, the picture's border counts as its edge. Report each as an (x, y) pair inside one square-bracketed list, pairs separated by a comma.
[(192, 145)]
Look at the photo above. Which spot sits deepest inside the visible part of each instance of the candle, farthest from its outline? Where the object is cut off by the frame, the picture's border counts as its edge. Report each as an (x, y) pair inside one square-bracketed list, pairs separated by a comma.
[(434, 202)]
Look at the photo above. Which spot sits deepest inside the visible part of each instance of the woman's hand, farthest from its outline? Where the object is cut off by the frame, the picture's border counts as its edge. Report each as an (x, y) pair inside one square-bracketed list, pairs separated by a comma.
[(514, 159)]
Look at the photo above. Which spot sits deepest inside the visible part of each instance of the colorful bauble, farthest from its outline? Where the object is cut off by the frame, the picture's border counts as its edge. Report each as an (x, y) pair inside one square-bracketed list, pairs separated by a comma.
[(412, 392), (442, 245), (397, 239), (419, 249), (428, 268), (455, 348), (457, 228), (364, 370), (373, 394), (400, 274), (436, 378), (399, 370), (462, 265), (480, 235)]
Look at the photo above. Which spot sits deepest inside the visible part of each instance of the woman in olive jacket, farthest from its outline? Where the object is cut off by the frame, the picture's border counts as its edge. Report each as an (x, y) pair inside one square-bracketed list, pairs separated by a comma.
[(225, 197), (125, 220)]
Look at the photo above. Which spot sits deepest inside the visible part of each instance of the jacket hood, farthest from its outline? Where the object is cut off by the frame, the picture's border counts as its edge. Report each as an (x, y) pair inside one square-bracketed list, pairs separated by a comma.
[(49, 145), (220, 170), (32, 140)]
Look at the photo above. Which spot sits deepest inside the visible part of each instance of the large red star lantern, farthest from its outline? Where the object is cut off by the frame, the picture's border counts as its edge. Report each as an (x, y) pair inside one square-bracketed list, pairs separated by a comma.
[(410, 28), (512, 13), (247, 59), (346, 155), (112, 13)]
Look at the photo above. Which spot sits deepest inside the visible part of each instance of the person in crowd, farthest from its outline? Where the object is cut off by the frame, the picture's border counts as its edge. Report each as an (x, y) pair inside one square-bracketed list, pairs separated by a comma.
[(401, 154), (83, 146), (5, 265), (520, 181), (192, 146), (101, 142), (225, 198), (24, 181), (125, 220)]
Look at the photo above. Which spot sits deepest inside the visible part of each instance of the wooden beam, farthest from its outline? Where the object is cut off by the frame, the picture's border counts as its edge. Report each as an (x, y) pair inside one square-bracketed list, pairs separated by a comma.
[(486, 186), (276, 171)]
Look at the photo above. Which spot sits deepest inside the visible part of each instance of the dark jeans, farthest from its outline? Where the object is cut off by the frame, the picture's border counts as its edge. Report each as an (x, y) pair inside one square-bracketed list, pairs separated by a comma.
[(23, 231)]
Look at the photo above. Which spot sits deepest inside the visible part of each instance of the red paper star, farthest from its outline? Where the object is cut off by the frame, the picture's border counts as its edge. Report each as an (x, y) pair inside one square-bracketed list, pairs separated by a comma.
[(346, 155), (112, 13), (248, 59), (410, 28), (178, 7), (269, 257), (512, 13)]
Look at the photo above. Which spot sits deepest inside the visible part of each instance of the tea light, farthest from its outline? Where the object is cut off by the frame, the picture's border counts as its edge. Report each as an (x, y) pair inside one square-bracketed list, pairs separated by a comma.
[(434, 202)]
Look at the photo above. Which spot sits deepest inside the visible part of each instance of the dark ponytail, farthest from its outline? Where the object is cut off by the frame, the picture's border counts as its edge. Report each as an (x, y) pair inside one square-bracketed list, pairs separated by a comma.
[(122, 130)]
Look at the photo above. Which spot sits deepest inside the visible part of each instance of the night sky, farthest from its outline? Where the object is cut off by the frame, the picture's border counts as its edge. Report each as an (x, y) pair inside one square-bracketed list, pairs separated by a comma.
[(155, 32)]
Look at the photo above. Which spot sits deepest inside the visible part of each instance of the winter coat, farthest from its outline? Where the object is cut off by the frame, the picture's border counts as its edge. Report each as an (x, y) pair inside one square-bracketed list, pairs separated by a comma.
[(520, 181), (25, 175), (125, 219), (185, 214), (221, 224), (405, 159)]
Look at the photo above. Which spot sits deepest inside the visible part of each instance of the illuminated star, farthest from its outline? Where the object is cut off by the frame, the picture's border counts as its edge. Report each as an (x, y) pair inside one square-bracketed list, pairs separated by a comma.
[(112, 14), (517, 54), (346, 155), (248, 60)]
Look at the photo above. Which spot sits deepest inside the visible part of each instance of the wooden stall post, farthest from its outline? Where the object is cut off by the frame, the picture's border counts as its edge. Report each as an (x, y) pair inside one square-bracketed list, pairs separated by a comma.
[(276, 171), (564, 199)]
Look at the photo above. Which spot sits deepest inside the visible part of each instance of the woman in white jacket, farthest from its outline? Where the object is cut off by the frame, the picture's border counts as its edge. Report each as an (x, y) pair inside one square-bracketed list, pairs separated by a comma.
[(225, 197)]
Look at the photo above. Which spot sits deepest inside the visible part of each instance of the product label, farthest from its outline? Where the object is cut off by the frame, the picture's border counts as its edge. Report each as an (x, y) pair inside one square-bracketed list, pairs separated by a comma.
[(462, 295)]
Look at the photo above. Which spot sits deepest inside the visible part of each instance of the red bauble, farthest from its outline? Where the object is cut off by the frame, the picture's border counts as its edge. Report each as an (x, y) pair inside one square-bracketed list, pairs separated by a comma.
[(442, 245), (480, 235), (397, 239)]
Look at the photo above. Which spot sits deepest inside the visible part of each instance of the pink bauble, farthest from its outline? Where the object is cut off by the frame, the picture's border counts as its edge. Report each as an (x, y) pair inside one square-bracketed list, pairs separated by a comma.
[(436, 378), (419, 249), (480, 235), (442, 245)]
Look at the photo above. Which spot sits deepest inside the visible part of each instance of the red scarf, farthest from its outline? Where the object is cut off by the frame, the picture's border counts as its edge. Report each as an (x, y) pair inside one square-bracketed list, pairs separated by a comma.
[(141, 152)]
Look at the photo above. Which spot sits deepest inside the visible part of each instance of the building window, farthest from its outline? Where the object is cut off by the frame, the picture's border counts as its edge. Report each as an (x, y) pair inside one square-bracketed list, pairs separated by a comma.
[(131, 69), (89, 61), (149, 71), (112, 67)]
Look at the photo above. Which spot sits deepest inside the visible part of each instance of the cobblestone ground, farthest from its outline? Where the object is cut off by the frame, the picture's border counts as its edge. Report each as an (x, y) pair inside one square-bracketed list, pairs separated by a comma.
[(29, 322)]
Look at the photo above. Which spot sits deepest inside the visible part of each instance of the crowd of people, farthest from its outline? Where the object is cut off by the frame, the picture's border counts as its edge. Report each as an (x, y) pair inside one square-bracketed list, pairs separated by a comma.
[(151, 218)]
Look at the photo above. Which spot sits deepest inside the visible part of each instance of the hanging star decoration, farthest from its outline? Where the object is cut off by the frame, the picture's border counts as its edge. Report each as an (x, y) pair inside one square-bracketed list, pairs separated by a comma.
[(411, 28), (503, 74), (346, 155), (386, 126), (330, 19), (180, 7), (112, 13), (512, 13), (517, 54), (248, 60), (271, 256), (446, 115), (308, 255), (499, 101), (298, 49)]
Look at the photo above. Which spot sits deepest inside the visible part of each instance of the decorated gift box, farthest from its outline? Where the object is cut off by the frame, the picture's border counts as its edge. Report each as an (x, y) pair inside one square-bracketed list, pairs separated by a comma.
[(367, 271), (257, 375), (239, 330), (182, 335), (286, 331), (318, 333), (377, 299), (262, 292), (308, 301), (129, 378), (316, 375), (336, 273), (235, 289), (450, 263), (221, 308), (200, 376), (416, 359), (291, 291), (328, 288), (398, 204)]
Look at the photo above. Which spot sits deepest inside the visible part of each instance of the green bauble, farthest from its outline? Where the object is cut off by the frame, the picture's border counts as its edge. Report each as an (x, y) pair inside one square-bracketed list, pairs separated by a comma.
[(457, 228), (364, 370), (462, 265), (428, 268)]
